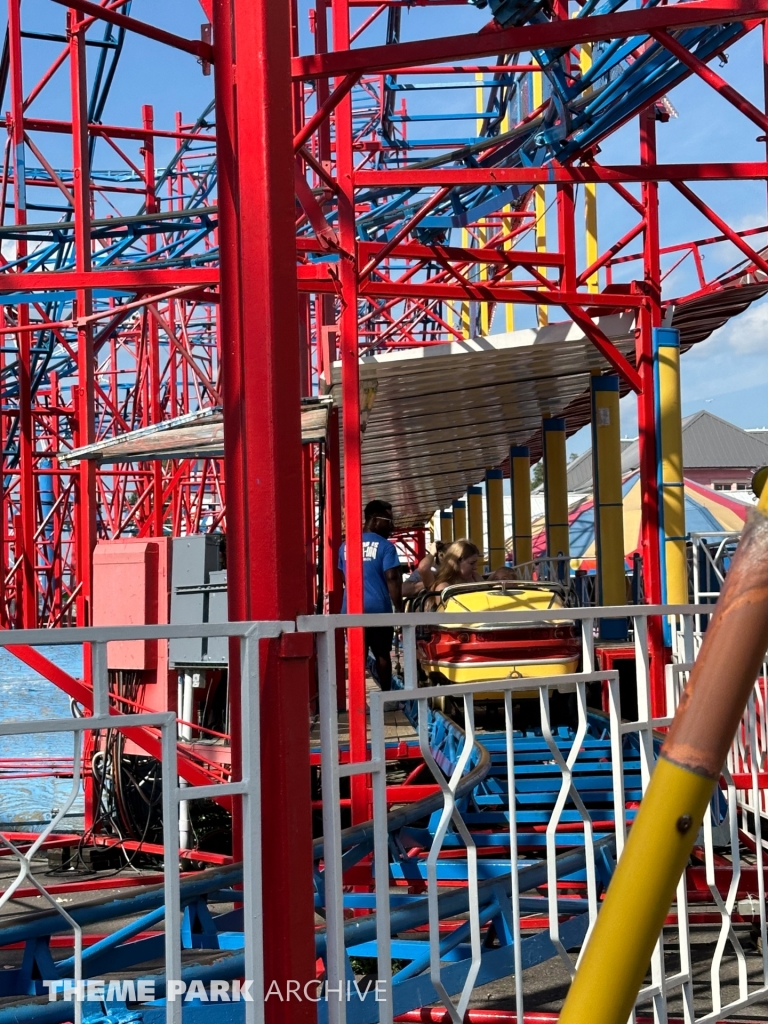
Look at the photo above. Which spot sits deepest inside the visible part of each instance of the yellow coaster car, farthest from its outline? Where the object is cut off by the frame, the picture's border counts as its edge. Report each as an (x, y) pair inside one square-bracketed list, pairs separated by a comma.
[(486, 652)]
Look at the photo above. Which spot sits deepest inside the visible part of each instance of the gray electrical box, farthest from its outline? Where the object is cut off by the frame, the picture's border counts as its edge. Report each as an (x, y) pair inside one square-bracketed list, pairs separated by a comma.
[(198, 595)]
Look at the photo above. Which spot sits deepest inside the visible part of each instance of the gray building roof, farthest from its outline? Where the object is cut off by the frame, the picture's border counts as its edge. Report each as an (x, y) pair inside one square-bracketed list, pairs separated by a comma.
[(709, 442), (712, 443), (580, 469)]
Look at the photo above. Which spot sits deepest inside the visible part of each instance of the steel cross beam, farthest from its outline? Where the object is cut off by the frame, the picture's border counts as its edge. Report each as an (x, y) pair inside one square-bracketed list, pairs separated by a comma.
[(605, 347), (712, 78), (545, 36), (551, 174), (142, 279), (196, 47)]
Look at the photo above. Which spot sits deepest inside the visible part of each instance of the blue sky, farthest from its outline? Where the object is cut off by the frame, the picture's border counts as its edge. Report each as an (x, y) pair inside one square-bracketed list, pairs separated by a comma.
[(727, 374)]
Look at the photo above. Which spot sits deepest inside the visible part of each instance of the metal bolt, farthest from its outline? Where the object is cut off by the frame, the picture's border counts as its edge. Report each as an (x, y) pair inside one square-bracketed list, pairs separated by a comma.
[(684, 822)]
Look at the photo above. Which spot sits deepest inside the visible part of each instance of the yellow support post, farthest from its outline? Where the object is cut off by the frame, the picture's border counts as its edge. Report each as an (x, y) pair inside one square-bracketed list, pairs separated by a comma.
[(446, 526), (608, 504), (475, 517), (555, 489), (459, 520), (674, 569), (540, 200), (520, 485), (494, 508)]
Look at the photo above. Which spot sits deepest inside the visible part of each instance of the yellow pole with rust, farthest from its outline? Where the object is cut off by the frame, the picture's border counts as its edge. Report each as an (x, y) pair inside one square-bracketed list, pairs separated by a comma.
[(520, 484), (459, 520), (475, 517), (494, 507), (555, 487), (671, 488), (446, 526), (662, 837)]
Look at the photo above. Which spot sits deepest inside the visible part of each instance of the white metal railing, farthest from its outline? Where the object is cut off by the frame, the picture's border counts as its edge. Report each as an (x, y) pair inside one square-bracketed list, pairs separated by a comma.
[(454, 958), (247, 790), (711, 553), (633, 747)]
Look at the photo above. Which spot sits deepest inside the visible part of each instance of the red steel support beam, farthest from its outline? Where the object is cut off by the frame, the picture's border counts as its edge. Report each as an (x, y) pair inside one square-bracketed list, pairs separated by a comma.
[(609, 351), (265, 522), (549, 174), (140, 280), (711, 77), (153, 328), (324, 110), (650, 317), (197, 48), (350, 426), (729, 233), (503, 257), (548, 35), (607, 256), (85, 508), (402, 233), (317, 278)]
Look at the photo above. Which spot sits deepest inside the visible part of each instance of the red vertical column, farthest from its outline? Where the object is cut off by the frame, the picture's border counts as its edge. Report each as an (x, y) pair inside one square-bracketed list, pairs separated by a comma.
[(650, 317), (25, 521), (153, 331), (566, 210), (567, 235), (6, 510), (265, 522), (57, 525), (350, 423), (334, 580), (85, 506)]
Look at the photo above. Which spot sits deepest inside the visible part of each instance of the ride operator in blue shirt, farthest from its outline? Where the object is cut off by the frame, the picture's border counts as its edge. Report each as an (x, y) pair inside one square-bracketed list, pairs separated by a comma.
[(382, 584)]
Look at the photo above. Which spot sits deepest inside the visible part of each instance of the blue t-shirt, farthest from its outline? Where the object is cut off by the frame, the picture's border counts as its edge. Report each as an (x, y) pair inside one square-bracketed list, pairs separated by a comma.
[(378, 556)]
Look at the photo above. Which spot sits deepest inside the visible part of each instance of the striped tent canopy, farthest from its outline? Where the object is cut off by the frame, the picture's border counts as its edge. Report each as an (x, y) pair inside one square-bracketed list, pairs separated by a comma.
[(705, 510)]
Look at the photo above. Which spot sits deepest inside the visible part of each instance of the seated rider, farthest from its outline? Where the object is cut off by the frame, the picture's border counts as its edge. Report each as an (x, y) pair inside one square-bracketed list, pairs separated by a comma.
[(459, 565), (423, 576)]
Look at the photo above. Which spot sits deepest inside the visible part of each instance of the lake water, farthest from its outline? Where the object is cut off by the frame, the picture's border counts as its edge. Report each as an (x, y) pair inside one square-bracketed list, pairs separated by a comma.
[(27, 804)]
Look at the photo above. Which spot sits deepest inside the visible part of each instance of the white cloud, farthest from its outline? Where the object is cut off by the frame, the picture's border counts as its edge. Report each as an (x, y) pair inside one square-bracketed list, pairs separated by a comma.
[(733, 359)]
